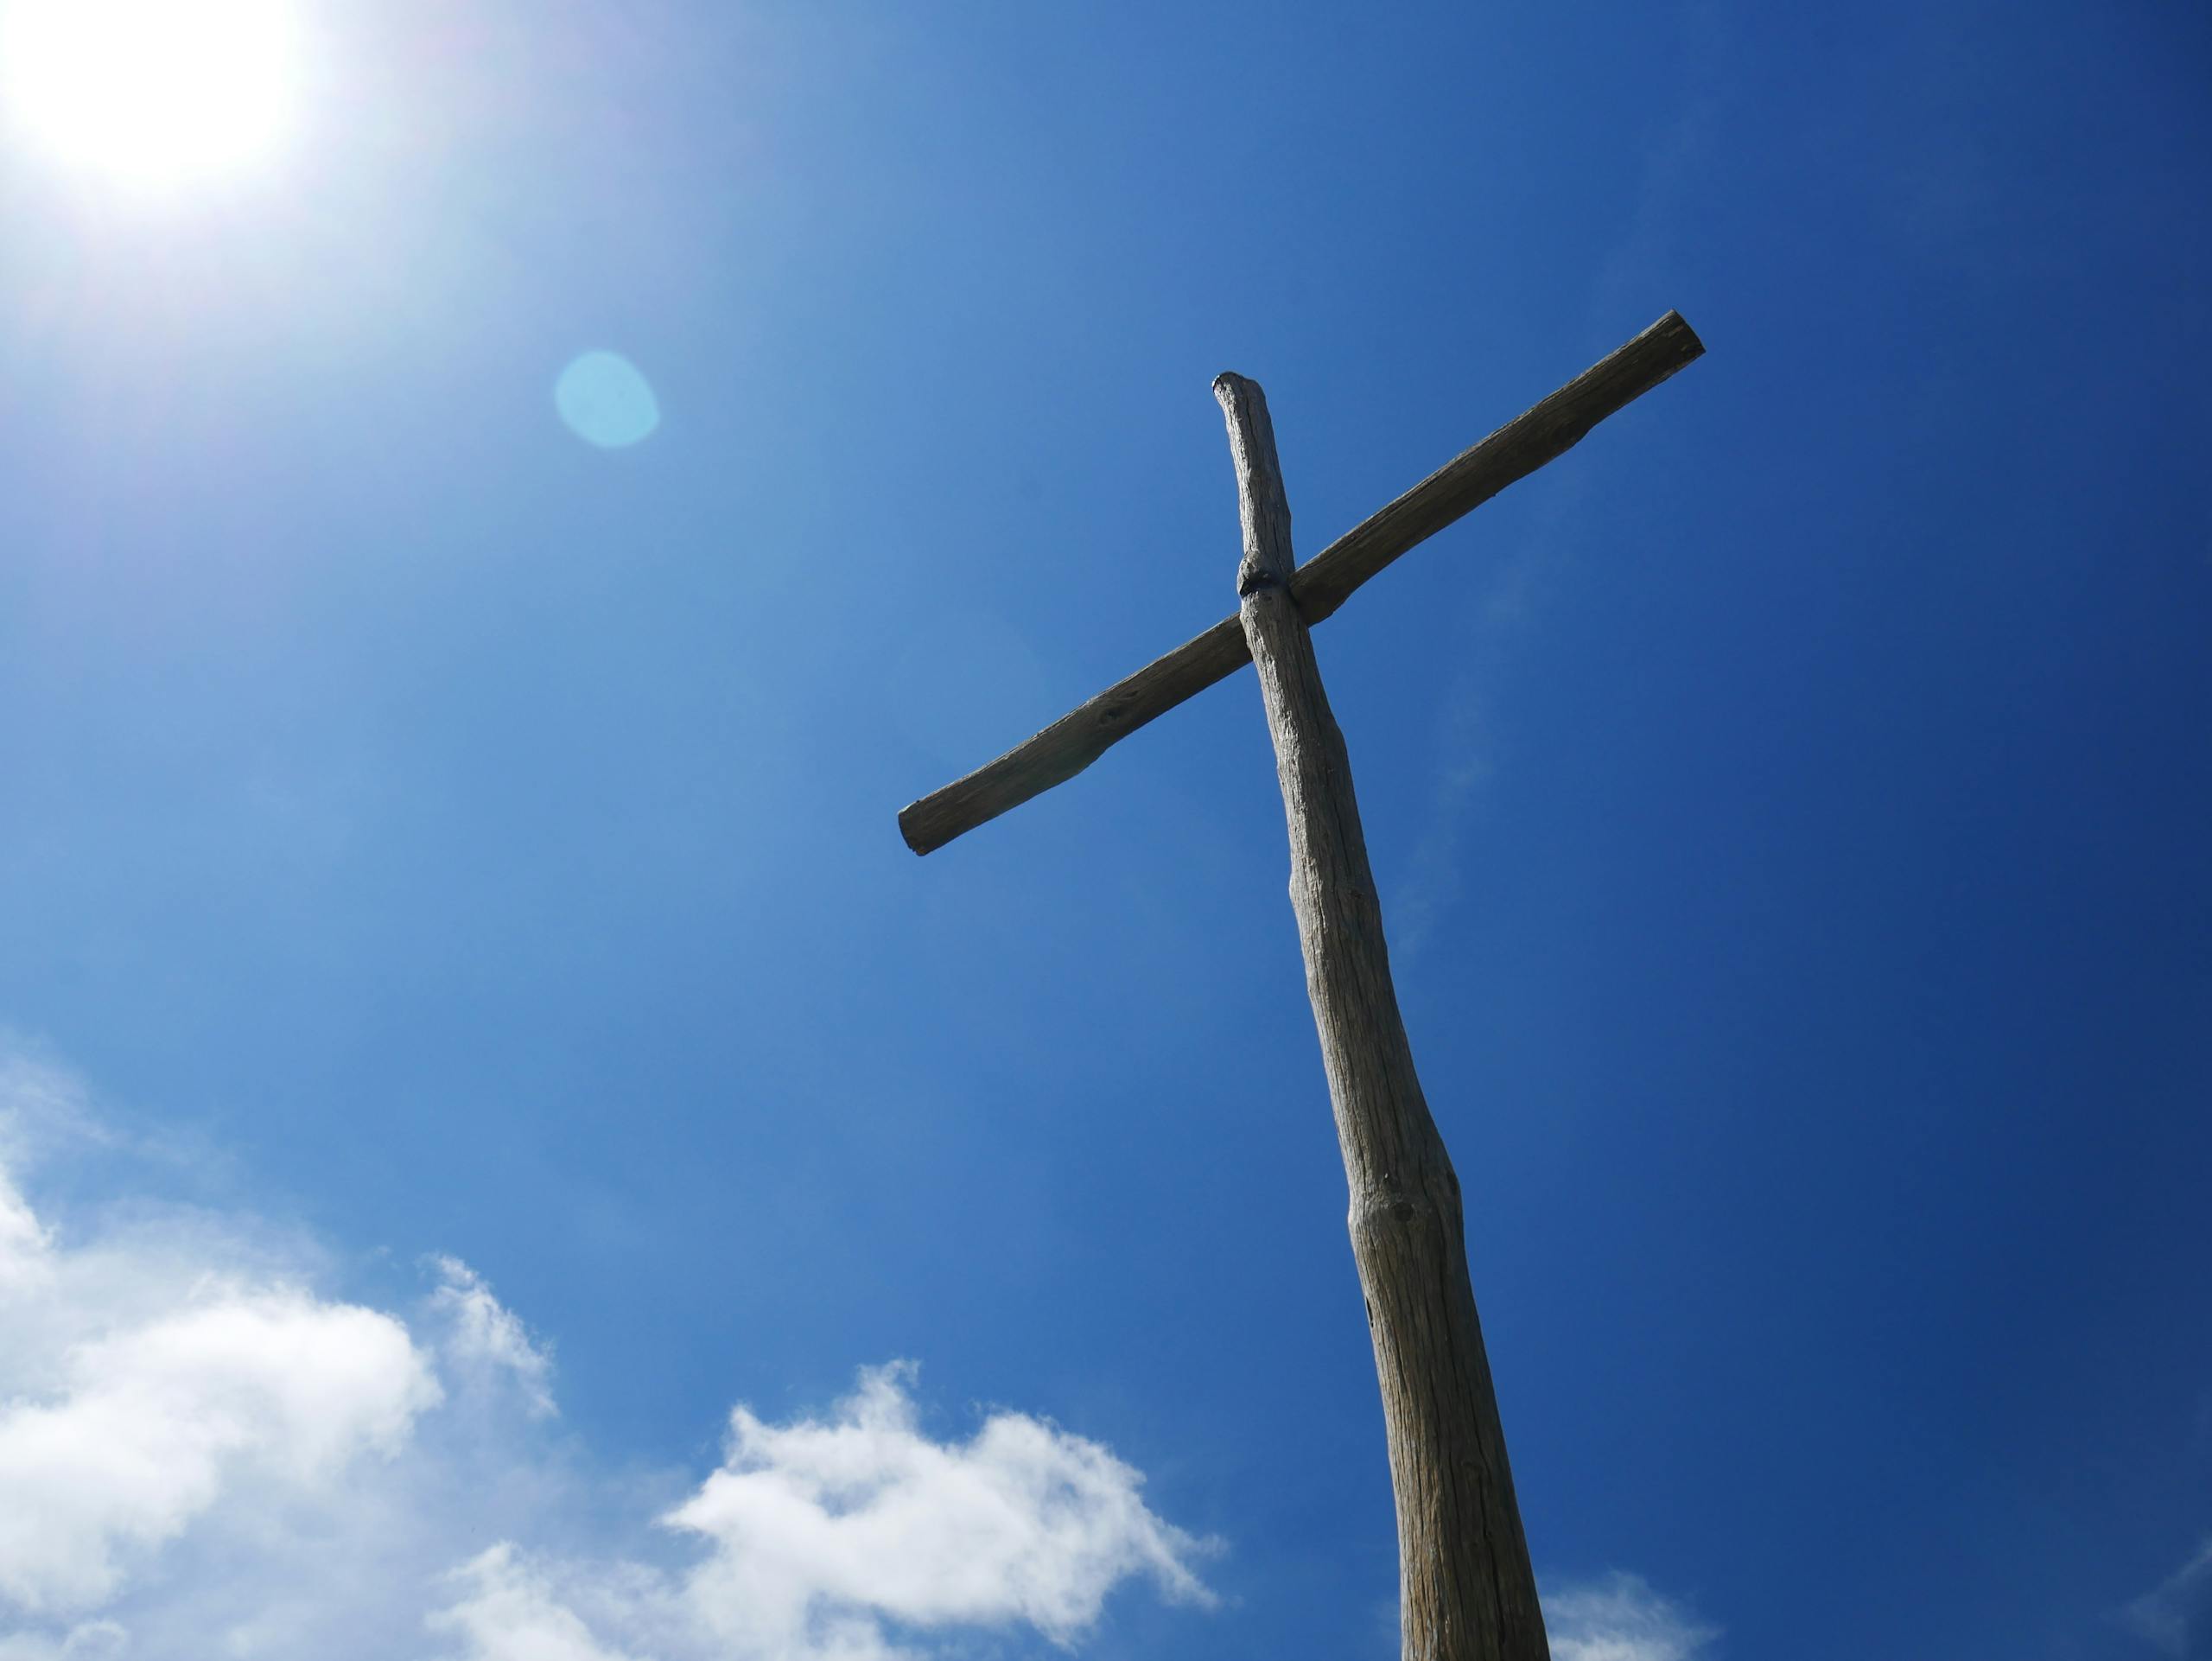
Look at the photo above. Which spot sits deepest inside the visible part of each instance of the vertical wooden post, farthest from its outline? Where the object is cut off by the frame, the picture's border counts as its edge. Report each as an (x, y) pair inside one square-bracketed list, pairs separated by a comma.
[(1467, 1592)]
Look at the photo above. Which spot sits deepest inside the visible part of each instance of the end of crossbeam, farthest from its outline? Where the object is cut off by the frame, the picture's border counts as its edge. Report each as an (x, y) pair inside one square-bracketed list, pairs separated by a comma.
[(906, 827), (1676, 327)]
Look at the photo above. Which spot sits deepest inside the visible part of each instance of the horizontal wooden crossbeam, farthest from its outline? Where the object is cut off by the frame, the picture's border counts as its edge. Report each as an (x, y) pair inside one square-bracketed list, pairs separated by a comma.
[(1321, 584)]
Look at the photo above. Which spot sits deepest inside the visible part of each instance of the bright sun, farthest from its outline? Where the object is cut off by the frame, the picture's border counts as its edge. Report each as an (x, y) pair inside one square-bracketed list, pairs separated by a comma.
[(155, 93)]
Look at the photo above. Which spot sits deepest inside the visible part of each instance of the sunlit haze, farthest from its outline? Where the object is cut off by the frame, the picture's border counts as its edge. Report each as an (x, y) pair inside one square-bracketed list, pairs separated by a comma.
[(151, 93)]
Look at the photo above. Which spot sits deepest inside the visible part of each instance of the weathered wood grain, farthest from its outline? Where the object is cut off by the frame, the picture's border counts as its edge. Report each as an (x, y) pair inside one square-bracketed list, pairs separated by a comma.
[(1514, 451), (1466, 1590)]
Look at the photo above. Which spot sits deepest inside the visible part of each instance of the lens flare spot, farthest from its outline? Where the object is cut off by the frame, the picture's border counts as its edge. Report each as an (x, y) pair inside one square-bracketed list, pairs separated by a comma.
[(606, 401)]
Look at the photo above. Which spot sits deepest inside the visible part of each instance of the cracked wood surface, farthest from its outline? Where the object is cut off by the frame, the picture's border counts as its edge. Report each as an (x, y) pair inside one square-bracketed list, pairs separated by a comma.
[(1466, 1591)]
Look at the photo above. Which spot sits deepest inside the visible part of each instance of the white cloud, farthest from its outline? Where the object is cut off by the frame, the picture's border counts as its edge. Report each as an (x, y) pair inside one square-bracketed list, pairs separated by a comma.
[(2177, 1618), (848, 1538), (205, 1454), (1620, 1618), (510, 1613), (23, 1243), (484, 1335), (155, 1424), (837, 1524), (148, 1374)]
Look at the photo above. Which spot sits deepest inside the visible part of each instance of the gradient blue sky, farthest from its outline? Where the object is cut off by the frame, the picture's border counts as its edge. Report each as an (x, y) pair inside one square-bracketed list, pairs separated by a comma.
[(1790, 807)]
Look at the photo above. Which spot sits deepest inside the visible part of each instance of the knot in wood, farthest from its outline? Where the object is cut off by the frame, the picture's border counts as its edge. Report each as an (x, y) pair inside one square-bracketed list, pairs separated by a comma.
[(1391, 1210)]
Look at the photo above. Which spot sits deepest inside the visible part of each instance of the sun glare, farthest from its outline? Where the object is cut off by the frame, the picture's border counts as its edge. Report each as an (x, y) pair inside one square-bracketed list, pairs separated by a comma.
[(154, 93)]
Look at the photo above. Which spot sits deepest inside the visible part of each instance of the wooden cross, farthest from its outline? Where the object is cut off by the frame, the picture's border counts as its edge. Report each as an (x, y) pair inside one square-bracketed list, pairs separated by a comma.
[(1466, 1591)]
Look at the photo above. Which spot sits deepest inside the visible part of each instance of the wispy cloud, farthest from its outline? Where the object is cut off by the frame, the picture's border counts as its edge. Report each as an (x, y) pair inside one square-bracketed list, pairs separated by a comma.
[(1621, 1618), (485, 1336), (2177, 1618), (90, 1641), (207, 1452), (1467, 745), (42, 1104)]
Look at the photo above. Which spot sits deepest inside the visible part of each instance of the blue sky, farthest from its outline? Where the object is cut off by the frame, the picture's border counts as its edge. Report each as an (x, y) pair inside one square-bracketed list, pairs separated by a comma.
[(452, 918)]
